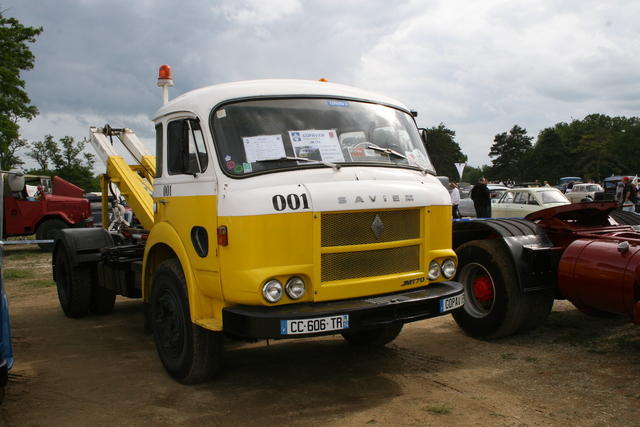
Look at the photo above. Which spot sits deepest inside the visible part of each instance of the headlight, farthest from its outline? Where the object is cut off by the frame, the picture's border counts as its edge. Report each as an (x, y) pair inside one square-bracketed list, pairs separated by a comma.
[(295, 288), (434, 270), (272, 291), (449, 268)]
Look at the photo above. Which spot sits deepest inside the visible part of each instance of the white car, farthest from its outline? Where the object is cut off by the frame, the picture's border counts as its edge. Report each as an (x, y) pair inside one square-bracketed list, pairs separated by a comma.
[(466, 204), (519, 202), (580, 191)]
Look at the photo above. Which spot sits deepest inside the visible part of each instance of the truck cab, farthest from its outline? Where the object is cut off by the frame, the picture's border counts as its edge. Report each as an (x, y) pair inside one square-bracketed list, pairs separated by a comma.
[(43, 206), (280, 209)]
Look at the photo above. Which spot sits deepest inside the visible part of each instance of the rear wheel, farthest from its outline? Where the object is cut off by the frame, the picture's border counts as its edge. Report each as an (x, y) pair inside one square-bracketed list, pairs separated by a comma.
[(539, 305), (494, 307), (48, 230), (74, 285), (374, 337), (189, 353)]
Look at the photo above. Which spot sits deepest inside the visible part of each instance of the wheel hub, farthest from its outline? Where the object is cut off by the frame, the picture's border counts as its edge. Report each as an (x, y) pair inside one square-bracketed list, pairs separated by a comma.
[(483, 289)]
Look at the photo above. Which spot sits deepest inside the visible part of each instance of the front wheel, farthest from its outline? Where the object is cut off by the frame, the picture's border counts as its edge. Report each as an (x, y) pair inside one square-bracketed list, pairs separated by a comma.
[(48, 230), (494, 307), (189, 353), (374, 337)]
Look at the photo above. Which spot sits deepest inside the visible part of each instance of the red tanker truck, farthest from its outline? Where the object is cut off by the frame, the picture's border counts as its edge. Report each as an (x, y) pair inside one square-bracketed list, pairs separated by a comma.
[(513, 269)]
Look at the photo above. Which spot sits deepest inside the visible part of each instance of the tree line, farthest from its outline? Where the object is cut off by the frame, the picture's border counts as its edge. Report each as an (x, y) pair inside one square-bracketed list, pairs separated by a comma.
[(595, 147)]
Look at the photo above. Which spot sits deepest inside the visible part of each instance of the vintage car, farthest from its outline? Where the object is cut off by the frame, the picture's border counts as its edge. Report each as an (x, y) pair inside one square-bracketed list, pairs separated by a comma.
[(583, 191), (519, 202), (564, 182), (466, 204)]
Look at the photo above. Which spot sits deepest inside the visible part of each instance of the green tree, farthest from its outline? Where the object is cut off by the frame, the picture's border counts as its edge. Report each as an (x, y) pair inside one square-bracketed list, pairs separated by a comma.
[(550, 157), (15, 57), (473, 174), (510, 152), (70, 162), (42, 152), (445, 151)]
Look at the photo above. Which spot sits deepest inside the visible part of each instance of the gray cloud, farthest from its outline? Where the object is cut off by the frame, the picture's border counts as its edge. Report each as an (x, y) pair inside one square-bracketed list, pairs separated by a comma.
[(478, 67)]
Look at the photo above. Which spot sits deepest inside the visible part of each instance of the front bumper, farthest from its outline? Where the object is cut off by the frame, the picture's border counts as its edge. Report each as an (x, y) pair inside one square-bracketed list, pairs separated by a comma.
[(262, 322)]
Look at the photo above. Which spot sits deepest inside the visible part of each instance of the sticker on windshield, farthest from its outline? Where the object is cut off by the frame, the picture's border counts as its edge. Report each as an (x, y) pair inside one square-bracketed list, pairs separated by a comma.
[(360, 153), (335, 103), (416, 158), (263, 147), (321, 145)]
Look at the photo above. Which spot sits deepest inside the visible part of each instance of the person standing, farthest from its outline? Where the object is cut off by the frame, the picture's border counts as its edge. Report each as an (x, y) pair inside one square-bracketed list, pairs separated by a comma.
[(481, 197), (629, 194), (455, 199)]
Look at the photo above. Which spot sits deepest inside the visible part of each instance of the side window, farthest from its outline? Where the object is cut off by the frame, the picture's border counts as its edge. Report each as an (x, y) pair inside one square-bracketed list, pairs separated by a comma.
[(532, 200), (507, 197), (520, 198), (159, 152), (186, 151)]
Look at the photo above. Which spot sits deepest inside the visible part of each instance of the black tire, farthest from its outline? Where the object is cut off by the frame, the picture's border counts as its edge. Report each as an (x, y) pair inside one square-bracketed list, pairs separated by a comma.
[(189, 353), (74, 285), (374, 337), (494, 307), (625, 218), (48, 230), (539, 305), (102, 299)]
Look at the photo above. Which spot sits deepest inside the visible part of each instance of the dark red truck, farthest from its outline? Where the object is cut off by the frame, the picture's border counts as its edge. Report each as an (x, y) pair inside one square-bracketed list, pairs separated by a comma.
[(513, 269), (43, 207)]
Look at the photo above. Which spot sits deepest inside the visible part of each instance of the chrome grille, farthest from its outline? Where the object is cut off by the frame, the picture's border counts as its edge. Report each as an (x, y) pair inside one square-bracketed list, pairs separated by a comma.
[(354, 228), (353, 265)]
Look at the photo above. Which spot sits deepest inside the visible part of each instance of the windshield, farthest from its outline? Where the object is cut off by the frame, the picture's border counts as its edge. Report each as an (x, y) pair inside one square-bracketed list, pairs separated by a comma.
[(552, 196), (271, 135)]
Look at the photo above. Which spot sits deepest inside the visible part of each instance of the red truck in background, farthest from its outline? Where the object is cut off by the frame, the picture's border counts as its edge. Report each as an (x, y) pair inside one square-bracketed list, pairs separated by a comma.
[(42, 206)]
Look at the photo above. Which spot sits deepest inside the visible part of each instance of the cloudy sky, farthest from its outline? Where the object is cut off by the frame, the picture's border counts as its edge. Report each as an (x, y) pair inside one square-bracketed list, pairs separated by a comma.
[(479, 67)]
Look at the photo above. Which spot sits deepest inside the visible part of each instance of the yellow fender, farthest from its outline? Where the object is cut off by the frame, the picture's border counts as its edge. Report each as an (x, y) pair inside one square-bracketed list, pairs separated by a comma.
[(164, 243)]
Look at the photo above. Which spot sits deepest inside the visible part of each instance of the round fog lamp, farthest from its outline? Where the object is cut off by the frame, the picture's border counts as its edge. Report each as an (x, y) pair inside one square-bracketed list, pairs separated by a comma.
[(449, 268), (295, 288), (272, 291), (434, 270)]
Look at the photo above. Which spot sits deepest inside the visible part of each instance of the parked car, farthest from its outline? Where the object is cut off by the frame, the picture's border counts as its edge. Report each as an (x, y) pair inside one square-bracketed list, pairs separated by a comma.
[(564, 182), (466, 204), (6, 352), (519, 202), (582, 191)]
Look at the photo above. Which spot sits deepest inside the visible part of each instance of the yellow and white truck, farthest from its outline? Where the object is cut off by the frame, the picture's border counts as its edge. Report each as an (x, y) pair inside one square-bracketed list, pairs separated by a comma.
[(273, 209)]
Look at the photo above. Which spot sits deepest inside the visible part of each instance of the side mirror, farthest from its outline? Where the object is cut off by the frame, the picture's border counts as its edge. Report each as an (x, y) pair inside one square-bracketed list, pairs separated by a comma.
[(424, 136), (16, 180)]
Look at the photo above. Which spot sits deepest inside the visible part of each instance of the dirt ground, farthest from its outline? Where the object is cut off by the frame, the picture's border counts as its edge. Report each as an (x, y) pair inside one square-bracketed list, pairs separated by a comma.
[(576, 370)]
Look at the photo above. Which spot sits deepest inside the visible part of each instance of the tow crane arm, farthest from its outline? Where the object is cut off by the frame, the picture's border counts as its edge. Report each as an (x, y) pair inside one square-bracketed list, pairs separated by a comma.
[(135, 182)]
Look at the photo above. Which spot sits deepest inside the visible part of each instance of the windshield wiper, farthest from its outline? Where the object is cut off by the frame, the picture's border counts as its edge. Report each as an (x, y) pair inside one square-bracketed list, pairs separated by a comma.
[(334, 166), (379, 149)]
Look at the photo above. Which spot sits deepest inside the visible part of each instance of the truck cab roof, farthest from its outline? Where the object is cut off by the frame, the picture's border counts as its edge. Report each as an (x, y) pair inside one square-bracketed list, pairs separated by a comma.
[(203, 99)]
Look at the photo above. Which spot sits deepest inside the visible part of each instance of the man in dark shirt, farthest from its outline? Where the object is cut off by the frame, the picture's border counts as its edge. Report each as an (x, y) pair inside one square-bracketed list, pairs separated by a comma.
[(629, 194), (481, 199)]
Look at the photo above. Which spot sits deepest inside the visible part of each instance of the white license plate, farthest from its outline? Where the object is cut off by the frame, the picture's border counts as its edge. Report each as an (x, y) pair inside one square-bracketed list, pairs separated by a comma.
[(451, 303), (310, 326)]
